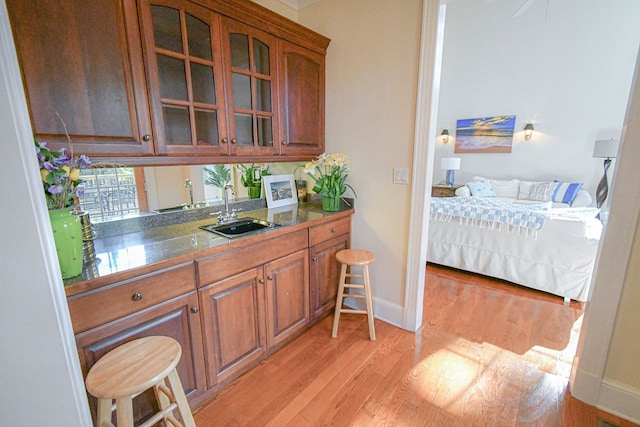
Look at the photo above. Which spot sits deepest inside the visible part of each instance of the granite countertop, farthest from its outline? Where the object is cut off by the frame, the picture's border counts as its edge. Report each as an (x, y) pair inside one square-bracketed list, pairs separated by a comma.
[(121, 256)]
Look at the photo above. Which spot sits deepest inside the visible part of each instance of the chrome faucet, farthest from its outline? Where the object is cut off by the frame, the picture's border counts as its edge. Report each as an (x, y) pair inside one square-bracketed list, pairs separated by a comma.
[(187, 184), (227, 215)]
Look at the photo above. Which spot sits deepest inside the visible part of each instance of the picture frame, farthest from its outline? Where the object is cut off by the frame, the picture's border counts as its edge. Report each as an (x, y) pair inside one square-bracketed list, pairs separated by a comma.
[(279, 190), (485, 135)]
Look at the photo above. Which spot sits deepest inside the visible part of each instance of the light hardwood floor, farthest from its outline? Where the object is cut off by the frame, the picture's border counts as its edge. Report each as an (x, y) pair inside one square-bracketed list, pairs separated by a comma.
[(488, 354)]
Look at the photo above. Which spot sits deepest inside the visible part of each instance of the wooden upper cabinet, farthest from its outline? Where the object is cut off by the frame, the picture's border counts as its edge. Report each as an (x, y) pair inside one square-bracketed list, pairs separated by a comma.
[(82, 69), (251, 81), (302, 102), (182, 44)]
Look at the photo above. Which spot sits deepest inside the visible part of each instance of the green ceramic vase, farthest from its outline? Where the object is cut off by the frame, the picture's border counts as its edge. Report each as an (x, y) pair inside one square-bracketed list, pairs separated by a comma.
[(254, 192), (67, 234), (331, 204)]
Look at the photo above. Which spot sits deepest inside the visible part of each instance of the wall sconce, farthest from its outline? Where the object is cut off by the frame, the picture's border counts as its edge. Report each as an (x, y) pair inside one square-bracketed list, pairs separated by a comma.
[(528, 131), (445, 135)]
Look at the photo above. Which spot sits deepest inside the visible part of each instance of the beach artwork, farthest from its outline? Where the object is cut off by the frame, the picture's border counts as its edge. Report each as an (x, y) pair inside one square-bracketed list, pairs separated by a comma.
[(485, 135)]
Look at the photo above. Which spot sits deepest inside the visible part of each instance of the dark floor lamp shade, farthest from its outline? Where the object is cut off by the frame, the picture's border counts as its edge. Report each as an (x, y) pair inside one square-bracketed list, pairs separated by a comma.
[(607, 149)]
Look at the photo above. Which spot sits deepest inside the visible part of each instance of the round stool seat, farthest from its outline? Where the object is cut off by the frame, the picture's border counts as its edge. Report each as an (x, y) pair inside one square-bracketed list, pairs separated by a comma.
[(355, 257), (133, 367)]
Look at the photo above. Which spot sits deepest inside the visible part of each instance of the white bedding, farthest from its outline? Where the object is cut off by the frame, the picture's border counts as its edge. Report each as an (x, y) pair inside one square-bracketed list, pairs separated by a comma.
[(559, 259)]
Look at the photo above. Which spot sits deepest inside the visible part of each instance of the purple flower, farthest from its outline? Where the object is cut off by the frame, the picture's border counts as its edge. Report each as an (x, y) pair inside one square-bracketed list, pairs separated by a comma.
[(80, 191), (83, 162), (48, 166), (54, 189)]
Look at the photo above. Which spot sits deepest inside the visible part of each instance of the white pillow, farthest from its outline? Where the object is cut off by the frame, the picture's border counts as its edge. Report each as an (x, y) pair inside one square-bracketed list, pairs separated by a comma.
[(524, 192), (463, 191), (503, 188), (542, 192)]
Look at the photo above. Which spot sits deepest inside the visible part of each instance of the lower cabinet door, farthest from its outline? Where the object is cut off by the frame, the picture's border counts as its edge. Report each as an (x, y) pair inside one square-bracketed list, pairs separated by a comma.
[(287, 296), (234, 325), (325, 274), (177, 318)]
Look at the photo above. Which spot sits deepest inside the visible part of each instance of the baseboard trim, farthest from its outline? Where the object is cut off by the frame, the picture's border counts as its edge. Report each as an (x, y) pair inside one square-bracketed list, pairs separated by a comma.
[(383, 310), (621, 400), (585, 386)]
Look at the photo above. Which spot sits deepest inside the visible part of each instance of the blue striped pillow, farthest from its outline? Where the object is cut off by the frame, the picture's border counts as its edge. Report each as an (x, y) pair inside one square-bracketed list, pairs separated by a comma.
[(566, 192)]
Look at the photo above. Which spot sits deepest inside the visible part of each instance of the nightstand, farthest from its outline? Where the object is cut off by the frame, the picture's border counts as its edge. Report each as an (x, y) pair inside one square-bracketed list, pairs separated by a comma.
[(444, 190)]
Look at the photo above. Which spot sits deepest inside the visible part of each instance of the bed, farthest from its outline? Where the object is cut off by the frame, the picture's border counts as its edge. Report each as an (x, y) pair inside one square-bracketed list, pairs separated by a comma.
[(537, 246)]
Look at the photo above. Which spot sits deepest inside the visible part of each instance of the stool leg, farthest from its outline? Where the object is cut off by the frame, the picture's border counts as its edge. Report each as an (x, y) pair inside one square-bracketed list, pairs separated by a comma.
[(367, 290), (104, 413), (336, 315), (124, 411), (181, 399)]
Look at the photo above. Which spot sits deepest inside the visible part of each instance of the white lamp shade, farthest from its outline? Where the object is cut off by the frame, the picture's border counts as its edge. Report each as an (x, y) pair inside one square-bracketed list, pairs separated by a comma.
[(605, 148), (450, 163)]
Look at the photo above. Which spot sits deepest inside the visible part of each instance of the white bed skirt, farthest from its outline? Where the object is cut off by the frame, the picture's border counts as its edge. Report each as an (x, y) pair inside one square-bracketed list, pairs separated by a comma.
[(559, 260)]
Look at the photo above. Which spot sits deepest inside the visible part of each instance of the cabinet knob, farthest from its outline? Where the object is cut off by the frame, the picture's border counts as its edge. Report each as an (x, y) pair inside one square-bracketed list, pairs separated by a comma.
[(194, 309), (225, 140), (285, 142), (137, 296), (333, 230), (233, 141), (270, 277), (146, 138), (315, 258), (261, 280)]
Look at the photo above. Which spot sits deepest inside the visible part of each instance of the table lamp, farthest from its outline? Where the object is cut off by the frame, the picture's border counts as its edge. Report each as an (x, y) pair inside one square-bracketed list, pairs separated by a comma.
[(450, 164)]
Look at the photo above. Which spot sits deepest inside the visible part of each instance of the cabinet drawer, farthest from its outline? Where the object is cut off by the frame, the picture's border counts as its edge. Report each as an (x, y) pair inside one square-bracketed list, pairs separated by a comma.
[(226, 264), (327, 231), (103, 305)]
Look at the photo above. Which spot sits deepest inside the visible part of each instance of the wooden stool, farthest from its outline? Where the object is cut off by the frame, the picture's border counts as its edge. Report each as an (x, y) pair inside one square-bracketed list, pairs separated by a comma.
[(132, 368), (352, 258)]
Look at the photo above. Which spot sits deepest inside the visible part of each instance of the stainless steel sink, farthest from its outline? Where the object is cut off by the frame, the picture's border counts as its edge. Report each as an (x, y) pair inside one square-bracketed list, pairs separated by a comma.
[(240, 227)]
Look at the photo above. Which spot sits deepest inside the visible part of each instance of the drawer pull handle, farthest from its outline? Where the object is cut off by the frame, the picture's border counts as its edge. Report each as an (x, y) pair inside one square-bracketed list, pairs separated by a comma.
[(333, 230), (261, 280), (315, 258), (137, 296), (194, 309)]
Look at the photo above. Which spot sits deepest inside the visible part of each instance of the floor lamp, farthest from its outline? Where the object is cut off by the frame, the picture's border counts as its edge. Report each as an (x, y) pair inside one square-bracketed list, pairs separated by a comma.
[(606, 149)]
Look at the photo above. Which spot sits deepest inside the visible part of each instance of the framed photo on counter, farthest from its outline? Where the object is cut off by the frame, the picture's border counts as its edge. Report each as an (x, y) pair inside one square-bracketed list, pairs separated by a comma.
[(280, 190)]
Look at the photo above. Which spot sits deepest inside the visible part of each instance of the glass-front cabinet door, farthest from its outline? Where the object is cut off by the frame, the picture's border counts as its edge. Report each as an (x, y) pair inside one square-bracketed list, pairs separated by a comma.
[(251, 80), (185, 76)]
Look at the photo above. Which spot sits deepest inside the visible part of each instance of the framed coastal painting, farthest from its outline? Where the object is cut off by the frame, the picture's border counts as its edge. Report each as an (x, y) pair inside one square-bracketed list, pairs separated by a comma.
[(485, 135), (279, 190)]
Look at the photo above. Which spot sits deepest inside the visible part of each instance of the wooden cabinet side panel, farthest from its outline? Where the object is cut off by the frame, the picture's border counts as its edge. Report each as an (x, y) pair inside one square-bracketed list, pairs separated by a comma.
[(173, 318), (287, 296), (233, 324), (324, 275)]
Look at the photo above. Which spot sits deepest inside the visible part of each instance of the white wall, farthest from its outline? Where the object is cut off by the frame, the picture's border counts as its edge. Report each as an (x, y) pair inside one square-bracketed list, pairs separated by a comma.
[(568, 73), (371, 81), (40, 375)]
